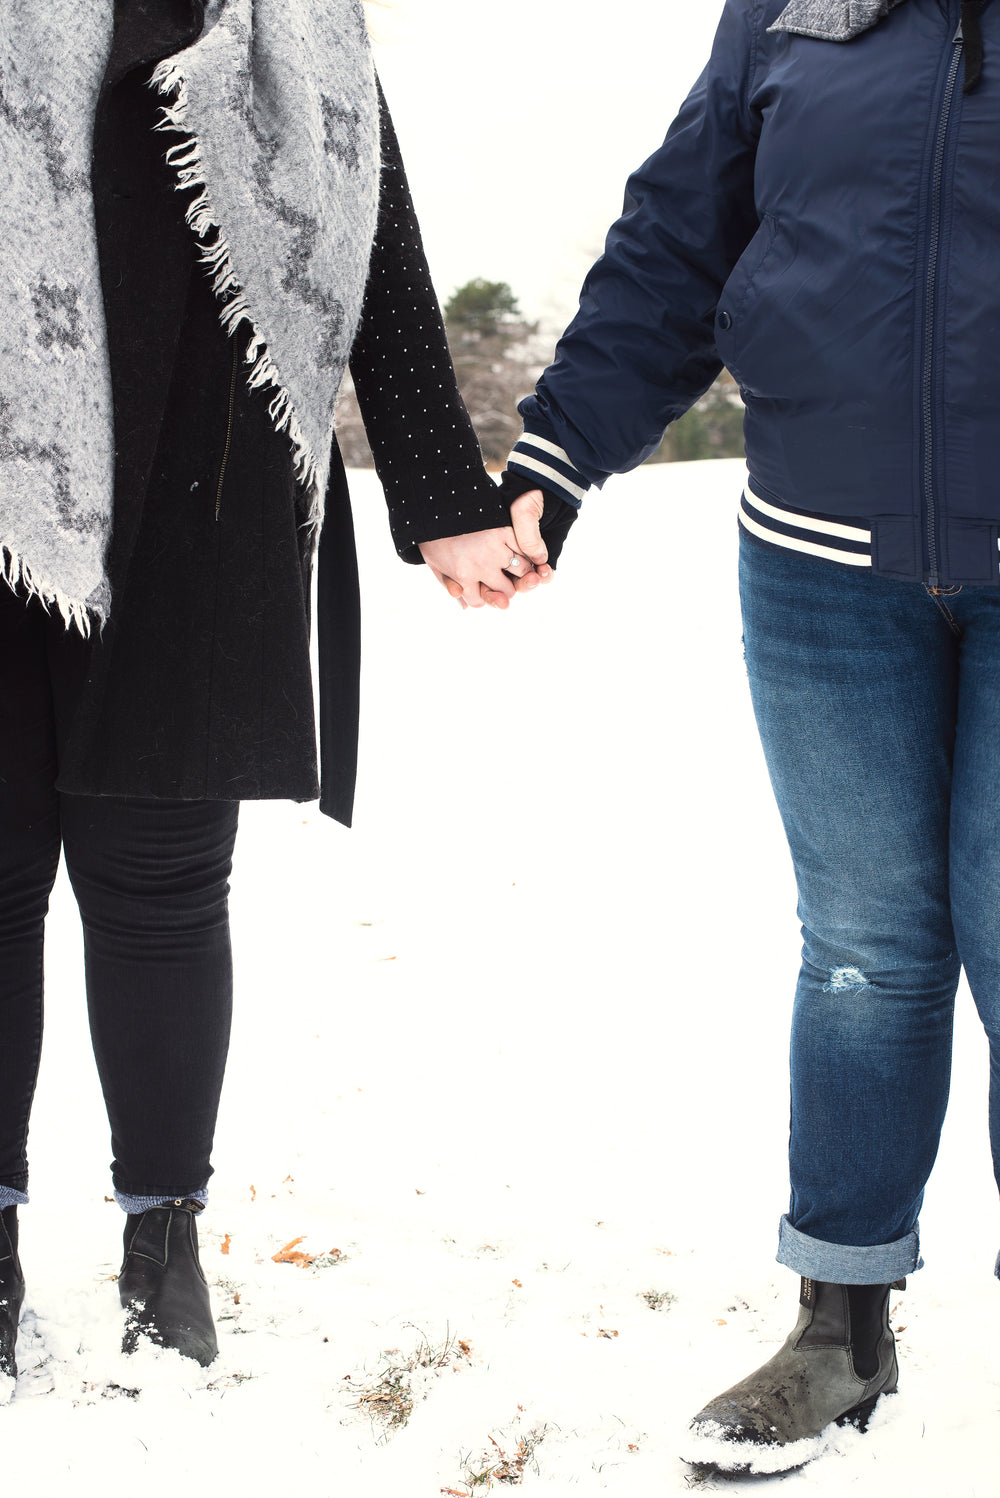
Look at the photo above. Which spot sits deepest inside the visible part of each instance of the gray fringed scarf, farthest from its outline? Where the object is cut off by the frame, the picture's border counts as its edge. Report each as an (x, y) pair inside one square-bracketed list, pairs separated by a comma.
[(277, 109), (832, 20)]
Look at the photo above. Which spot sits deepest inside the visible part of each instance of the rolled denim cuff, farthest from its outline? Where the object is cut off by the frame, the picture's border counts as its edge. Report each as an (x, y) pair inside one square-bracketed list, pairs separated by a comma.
[(136, 1204), (11, 1198), (845, 1264)]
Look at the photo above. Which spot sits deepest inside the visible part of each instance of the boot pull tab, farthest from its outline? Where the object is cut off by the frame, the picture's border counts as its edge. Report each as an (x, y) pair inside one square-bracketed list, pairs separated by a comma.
[(807, 1294)]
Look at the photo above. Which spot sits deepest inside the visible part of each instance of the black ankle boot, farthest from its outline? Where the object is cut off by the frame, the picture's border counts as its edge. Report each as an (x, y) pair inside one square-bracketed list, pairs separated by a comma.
[(161, 1284), (837, 1362), (11, 1290)]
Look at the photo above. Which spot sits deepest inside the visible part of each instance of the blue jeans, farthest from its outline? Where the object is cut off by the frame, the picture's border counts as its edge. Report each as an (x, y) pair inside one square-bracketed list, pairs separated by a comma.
[(878, 705)]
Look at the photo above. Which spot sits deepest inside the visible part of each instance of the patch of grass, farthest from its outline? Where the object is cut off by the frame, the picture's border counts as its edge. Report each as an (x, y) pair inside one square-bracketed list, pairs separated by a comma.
[(117, 1391), (389, 1400), (231, 1291), (231, 1380), (389, 1395), (658, 1300), (500, 1465)]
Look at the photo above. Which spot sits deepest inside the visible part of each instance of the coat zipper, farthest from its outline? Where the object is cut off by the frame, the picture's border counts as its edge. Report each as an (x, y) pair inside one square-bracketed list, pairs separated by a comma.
[(930, 305), (229, 436)]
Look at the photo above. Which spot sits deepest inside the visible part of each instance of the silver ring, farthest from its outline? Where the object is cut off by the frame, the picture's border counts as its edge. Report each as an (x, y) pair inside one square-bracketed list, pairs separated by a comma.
[(513, 563)]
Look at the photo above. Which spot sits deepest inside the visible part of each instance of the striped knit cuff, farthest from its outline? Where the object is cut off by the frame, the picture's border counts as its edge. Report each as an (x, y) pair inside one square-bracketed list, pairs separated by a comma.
[(540, 459)]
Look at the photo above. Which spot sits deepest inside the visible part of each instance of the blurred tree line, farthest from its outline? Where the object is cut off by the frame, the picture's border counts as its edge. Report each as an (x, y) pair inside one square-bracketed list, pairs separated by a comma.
[(498, 356)]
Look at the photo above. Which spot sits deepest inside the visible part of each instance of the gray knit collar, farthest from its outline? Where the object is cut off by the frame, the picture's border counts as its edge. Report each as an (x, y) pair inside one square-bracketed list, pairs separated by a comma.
[(832, 20)]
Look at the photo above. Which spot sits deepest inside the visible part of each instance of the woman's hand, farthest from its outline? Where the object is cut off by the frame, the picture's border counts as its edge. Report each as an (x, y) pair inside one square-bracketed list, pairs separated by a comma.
[(489, 567)]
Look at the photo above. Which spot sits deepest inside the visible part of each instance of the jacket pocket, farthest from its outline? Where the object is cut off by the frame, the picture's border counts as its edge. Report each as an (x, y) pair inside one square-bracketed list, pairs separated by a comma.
[(738, 294)]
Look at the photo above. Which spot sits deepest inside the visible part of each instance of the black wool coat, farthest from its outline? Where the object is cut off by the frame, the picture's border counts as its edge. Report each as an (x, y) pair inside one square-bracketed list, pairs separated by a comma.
[(199, 685)]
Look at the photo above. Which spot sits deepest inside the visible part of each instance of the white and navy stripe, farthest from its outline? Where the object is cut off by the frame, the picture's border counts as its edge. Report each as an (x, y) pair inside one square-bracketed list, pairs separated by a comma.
[(537, 457), (781, 526)]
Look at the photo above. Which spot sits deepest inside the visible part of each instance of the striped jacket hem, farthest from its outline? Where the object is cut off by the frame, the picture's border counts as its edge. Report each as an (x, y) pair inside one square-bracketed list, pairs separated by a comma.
[(832, 539)]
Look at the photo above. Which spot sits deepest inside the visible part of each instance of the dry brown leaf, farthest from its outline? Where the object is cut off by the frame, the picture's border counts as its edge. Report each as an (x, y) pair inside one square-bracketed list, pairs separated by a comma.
[(224, 1245), (606, 1332), (291, 1255)]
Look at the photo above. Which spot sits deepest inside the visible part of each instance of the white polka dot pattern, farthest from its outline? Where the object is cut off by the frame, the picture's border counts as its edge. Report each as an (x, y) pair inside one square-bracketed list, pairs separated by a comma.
[(425, 449)]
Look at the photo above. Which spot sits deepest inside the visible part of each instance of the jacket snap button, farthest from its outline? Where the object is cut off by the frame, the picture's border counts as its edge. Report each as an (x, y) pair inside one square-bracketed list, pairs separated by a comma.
[(725, 321)]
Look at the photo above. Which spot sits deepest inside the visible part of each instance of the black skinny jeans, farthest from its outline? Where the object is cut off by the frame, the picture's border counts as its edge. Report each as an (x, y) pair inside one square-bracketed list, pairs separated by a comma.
[(150, 878)]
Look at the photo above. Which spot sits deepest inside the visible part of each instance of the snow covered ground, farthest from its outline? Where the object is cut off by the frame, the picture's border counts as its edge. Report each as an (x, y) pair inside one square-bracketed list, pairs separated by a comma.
[(515, 1049)]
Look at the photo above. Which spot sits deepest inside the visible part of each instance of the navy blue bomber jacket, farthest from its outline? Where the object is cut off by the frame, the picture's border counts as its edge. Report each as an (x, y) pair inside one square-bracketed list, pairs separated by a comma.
[(824, 219)]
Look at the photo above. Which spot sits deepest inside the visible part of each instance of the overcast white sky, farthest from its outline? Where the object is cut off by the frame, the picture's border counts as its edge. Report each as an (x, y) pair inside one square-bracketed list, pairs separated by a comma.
[(520, 121)]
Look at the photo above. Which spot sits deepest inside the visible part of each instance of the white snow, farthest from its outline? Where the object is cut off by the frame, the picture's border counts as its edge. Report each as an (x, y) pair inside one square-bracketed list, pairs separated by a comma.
[(515, 1046)]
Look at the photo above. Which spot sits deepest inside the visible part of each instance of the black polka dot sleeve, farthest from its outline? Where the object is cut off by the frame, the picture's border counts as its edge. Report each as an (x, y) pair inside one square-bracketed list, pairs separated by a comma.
[(426, 453)]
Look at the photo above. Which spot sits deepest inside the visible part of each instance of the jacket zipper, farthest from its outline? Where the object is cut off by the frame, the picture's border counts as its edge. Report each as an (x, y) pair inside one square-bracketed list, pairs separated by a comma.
[(930, 305), (229, 437)]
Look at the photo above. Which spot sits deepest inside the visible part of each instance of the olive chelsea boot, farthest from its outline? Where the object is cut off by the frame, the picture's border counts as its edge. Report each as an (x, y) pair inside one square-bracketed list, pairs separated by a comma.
[(836, 1363)]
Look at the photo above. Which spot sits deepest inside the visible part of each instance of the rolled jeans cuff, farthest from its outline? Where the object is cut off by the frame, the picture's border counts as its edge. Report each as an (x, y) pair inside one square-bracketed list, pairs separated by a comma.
[(9, 1197), (137, 1204), (844, 1263)]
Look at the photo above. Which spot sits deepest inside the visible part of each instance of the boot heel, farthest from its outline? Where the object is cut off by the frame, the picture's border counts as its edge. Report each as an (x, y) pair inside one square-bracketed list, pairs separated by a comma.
[(862, 1413)]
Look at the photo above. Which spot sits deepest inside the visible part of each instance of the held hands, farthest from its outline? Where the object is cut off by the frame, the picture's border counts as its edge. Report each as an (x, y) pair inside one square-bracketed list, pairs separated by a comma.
[(489, 567)]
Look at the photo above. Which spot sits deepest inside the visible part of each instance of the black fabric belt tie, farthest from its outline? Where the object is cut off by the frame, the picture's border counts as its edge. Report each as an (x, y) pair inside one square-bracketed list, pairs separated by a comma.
[(972, 36)]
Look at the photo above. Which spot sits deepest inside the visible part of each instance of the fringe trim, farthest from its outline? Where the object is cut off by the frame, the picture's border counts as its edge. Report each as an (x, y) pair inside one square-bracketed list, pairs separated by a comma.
[(14, 570), (185, 157)]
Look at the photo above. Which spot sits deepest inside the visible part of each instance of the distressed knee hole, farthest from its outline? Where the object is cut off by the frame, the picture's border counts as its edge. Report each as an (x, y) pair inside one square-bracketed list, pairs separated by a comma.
[(846, 980)]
